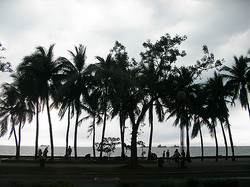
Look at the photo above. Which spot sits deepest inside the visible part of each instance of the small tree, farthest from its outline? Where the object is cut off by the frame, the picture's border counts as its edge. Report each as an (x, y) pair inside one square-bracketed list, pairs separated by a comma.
[(4, 66), (108, 146)]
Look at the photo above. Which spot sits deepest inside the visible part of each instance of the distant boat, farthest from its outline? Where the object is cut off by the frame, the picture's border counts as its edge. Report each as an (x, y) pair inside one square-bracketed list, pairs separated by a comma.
[(161, 146), (175, 146)]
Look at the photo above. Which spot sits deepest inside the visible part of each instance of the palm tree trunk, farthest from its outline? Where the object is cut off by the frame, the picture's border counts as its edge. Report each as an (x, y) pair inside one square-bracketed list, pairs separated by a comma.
[(216, 142), (67, 133), (225, 139), (134, 160), (37, 129), (248, 107), (19, 137), (50, 129), (94, 137), (122, 132), (202, 149), (103, 131), (15, 136), (151, 130), (76, 128), (188, 144), (231, 140)]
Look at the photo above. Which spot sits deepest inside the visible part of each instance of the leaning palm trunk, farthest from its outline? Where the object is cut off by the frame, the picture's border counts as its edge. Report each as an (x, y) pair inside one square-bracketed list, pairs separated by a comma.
[(202, 149), (75, 138), (216, 142), (188, 144), (225, 139), (67, 133), (94, 137), (50, 129), (122, 132), (134, 159), (37, 129), (151, 130), (19, 138), (15, 136), (231, 140), (103, 131)]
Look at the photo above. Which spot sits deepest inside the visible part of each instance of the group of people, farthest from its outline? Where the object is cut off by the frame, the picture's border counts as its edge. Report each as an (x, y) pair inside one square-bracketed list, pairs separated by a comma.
[(44, 153), (176, 155)]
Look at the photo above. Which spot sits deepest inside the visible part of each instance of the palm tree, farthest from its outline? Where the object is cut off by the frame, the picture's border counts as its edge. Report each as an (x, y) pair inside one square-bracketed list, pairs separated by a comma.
[(30, 88), (216, 93), (93, 109), (74, 88), (8, 103), (238, 80), (42, 70), (199, 112), (152, 79), (119, 85), (75, 84), (63, 100), (183, 93), (14, 108), (103, 71)]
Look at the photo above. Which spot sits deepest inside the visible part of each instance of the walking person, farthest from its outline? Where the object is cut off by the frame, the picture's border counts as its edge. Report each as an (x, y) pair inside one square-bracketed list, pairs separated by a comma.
[(69, 151), (167, 154), (45, 152)]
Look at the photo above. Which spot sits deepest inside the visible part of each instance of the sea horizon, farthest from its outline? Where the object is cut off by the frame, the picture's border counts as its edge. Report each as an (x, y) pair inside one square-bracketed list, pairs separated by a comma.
[(82, 151)]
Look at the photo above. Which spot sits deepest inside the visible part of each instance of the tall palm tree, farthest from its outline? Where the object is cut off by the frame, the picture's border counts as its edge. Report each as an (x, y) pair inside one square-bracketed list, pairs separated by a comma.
[(119, 85), (238, 80), (76, 79), (103, 72), (42, 70), (152, 77), (216, 93), (93, 109), (8, 103), (183, 92), (199, 112), (29, 86), (14, 108)]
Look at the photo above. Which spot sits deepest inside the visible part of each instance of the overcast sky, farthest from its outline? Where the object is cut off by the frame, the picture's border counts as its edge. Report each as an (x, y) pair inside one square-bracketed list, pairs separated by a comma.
[(224, 26)]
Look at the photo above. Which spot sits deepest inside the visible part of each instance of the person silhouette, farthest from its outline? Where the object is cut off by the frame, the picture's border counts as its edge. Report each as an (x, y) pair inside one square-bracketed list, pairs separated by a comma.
[(45, 152), (69, 151), (176, 155), (167, 154)]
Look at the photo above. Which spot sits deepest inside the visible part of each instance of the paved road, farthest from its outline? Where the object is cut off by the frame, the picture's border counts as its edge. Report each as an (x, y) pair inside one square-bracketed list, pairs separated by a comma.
[(197, 169)]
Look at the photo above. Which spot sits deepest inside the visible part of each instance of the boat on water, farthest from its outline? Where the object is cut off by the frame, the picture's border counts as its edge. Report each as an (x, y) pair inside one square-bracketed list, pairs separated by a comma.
[(175, 146), (161, 146)]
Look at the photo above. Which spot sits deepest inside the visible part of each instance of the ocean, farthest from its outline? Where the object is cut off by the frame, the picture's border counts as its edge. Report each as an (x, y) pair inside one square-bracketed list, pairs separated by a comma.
[(82, 151)]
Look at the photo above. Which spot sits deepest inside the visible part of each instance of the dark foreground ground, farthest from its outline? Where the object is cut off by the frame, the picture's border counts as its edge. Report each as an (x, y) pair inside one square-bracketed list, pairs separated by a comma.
[(116, 173)]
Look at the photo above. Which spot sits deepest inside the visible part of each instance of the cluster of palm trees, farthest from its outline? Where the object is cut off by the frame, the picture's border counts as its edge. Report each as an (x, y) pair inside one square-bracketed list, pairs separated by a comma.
[(123, 87)]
